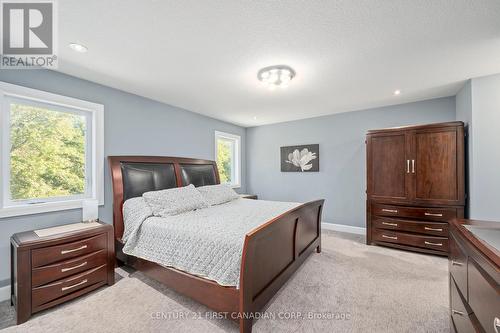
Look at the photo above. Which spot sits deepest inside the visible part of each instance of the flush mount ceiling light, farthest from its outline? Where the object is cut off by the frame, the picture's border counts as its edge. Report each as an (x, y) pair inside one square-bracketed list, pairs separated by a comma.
[(78, 47), (397, 92), (276, 76)]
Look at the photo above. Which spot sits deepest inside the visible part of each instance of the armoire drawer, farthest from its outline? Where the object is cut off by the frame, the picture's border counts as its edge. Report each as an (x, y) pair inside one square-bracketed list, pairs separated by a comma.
[(421, 227), (422, 241), (425, 213)]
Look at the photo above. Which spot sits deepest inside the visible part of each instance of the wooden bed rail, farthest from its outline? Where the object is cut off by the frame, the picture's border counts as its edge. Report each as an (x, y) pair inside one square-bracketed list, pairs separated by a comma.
[(273, 252)]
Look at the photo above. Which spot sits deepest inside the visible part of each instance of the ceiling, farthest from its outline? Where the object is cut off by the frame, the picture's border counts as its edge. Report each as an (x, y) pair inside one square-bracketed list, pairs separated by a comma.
[(349, 55)]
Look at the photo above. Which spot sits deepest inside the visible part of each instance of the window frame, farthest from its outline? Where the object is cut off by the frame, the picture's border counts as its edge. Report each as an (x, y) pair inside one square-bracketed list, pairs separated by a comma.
[(237, 153), (94, 186)]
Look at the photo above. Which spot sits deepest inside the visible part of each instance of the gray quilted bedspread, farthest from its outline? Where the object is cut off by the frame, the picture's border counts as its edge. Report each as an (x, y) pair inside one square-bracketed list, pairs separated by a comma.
[(207, 242)]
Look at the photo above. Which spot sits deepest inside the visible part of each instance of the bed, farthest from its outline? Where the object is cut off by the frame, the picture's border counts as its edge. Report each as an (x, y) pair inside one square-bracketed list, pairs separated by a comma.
[(271, 251)]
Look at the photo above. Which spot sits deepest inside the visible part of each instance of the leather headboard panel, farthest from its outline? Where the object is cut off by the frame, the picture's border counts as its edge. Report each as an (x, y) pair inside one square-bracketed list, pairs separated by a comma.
[(198, 174), (143, 177), (134, 175)]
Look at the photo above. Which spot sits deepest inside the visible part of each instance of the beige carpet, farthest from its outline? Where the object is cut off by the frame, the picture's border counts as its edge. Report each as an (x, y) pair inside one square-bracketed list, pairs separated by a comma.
[(349, 287)]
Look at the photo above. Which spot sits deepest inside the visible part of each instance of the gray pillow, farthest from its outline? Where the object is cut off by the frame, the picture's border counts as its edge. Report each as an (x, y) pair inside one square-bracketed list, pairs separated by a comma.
[(174, 201), (218, 194)]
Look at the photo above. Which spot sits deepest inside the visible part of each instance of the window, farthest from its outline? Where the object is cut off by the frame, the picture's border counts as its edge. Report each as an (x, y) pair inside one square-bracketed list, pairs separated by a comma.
[(228, 155), (51, 151)]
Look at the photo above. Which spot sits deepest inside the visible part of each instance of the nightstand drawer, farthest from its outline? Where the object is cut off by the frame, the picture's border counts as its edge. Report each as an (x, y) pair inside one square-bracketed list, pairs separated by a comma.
[(47, 293), (57, 271), (52, 254)]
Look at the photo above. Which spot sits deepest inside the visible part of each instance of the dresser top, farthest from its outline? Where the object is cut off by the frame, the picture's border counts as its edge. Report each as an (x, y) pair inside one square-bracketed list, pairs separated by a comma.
[(30, 238), (484, 235)]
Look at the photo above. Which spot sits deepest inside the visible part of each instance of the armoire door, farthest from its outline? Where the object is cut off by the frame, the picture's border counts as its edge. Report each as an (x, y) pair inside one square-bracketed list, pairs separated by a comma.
[(388, 166), (437, 165)]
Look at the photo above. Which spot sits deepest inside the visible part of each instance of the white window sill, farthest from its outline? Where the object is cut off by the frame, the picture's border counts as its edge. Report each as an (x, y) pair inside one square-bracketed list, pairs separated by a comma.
[(45, 207)]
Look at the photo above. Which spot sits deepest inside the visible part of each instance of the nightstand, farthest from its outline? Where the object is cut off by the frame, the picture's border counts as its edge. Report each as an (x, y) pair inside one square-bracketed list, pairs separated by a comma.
[(63, 263), (249, 196)]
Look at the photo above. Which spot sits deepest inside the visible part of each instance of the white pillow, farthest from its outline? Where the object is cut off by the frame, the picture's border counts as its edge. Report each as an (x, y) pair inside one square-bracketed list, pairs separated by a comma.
[(174, 201), (218, 194)]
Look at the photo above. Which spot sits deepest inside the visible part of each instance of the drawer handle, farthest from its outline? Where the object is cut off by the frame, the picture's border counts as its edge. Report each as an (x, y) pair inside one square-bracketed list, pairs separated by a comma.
[(73, 286), (433, 229), (456, 263), (435, 244), (460, 313), (74, 267), (391, 224), (433, 214), (390, 237), (73, 250), (496, 324), (389, 210)]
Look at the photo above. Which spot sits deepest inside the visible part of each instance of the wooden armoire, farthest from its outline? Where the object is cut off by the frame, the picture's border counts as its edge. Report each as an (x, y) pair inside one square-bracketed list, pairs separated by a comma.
[(415, 185)]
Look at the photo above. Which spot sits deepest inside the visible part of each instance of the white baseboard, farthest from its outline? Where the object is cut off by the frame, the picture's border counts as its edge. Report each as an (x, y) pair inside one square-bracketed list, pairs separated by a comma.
[(343, 228), (4, 293)]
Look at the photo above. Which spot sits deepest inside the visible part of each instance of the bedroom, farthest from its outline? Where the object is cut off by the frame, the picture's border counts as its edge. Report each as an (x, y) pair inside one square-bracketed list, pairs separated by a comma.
[(358, 135)]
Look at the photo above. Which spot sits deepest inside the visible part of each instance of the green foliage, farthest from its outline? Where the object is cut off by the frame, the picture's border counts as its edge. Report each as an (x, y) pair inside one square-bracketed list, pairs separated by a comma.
[(47, 156), (224, 157)]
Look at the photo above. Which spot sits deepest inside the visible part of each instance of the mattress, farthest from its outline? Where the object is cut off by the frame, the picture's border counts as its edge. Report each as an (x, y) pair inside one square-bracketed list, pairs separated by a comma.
[(206, 242)]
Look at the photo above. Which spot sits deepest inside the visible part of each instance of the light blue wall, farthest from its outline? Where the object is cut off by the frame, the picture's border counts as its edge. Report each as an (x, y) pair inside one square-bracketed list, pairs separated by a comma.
[(485, 154), (133, 126), (463, 101), (341, 137)]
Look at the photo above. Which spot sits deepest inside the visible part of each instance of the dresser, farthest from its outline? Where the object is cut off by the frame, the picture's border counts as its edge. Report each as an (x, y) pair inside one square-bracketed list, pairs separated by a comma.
[(415, 185), (474, 266), (49, 270)]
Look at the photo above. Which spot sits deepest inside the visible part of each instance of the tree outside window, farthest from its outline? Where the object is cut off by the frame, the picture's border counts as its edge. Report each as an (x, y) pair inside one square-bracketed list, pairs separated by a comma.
[(227, 147), (224, 160), (47, 153)]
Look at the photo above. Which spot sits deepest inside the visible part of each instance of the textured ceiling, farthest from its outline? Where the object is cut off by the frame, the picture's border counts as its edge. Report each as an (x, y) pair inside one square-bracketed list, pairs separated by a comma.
[(349, 55)]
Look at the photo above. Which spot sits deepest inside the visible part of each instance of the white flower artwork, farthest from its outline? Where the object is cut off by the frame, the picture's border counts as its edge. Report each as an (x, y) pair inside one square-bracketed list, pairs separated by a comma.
[(300, 158)]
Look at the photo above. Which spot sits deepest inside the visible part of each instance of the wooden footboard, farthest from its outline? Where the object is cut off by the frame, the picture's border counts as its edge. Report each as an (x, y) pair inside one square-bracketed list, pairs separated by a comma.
[(272, 253)]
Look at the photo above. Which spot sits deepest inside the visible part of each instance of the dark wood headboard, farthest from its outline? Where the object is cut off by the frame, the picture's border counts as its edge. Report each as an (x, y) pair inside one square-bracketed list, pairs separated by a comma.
[(133, 175)]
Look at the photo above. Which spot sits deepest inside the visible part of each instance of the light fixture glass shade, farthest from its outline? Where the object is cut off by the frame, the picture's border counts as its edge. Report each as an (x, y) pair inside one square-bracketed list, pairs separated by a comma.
[(276, 76), (285, 78), (273, 78)]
